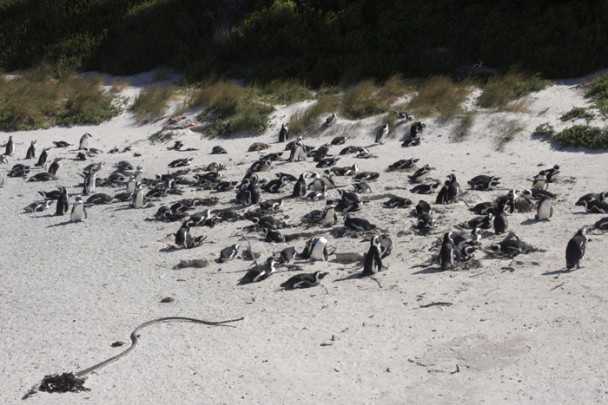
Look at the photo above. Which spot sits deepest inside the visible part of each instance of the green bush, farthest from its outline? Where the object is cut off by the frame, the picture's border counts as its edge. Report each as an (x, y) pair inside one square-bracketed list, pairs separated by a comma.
[(583, 136), (161, 136), (577, 113), (598, 92), (544, 131)]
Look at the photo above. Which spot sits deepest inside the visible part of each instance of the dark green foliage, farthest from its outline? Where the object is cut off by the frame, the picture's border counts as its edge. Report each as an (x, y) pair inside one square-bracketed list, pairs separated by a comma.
[(161, 137), (316, 42), (598, 92), (583, 136), (544, 131), (577, 113)]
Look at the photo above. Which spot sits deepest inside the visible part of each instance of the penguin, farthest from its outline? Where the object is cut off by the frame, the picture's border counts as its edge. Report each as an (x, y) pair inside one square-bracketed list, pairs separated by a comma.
[(552, 174), (218, 150), (275, 186), (446, 254), (442, 196), (596, 206), (84, 141), (591, 196), (283, 133), (349, 198), (271, 205), (329, 216), (540, 181), (62, 202), (200, 218), (320, 153), (349, 150), (254, 190), (484, 208), (138, 196), (259, 272), (299, 189), (575, 250), (331, 120), (183, 239), (54, 167), (288, 177), (483, 182), (424, 223), (426, 188), (367, 176), (338, 140), (42, 176), (423, 208), (372, 262), (288, 254), (315, 249), (1, 179), (273, 236), (544, 209), (402, 164), (421, 174), (327, 162), (483, 222), (19, 170), (362, 187), (37, 206), (381, 134), (42, 158), (385, 246), (10, 147), (3, 159), (500, 220), (98, 199), (453, 189), (61, 144), (358, 224), (79, 212), (31, 151), (181, 162), (411, 141), (402, 115), (345, 170), (304, 280), (229, 253), (317, 195), (511, 246), (397, 202), (298, 151), (90, 181), (416, 128), (130, 185), (602, 224)]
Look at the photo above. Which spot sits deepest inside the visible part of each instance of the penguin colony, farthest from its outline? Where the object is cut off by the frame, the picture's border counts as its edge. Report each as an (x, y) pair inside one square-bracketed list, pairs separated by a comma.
[(338, 196)]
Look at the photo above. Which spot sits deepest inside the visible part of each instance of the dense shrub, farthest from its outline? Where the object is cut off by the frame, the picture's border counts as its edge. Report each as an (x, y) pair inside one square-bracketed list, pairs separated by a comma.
[(577, 113), (598, 92), (583, 136)]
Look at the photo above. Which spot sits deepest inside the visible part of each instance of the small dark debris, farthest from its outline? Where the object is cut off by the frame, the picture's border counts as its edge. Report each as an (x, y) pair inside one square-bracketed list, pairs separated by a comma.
[(166, 300), (118, 343), (66, 382)]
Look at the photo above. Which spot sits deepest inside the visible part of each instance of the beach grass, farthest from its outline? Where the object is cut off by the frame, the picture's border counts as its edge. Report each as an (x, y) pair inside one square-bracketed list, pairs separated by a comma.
[(151, 104), (500, 91), (307, 118), (438, 97)]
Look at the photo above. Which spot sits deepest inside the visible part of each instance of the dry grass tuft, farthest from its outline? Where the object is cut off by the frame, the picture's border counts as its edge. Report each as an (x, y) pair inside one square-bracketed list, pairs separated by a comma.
[(438, 97), (152, 103), (506, 130), (304, 120), (500, 91)]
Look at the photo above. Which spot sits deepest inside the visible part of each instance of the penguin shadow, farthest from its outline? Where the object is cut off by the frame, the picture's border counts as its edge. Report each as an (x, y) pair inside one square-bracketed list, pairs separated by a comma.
[(60, 223), (557, 272), (531, 221), (429, 270), (352, 276)]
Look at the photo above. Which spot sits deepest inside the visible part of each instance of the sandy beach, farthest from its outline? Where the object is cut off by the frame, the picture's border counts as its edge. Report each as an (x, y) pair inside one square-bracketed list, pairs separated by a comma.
[(510, 331)]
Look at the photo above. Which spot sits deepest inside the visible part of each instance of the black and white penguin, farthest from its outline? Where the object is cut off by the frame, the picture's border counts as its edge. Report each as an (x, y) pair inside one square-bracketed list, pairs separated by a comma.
[(397, 202), (259, 272), (218, 150), (183, 239), (181, 162), (551, 173), (331, 120), (10, 147), (411, 141), (338, 140), (544, 209), (483, 182), (329, 216), (403, 164), (79, 212), (402, 115), (484, 208), (138, 196), (483, 222), (61, 144), (416, 128), (317, 195), (1, 179), (283, 133), (501, 222), (421, 174), (442, 196), (423, 208), (424, 222), (304, 280), (38, 206), (316, 249), (229, 253), (596, 206), (382, 134), (19, 170), (602, 224), (42, 176), (271, 205), (575, 250), (299, 189), (200, 218), (84, 141), (327, 162), (54, 167), (345, 170), (90, 181), (540, 181), (362, 187), (367, 176), (62, 202), (31, 151), (591, 196), (372, 263), (426, 188), (254, 190), (320, 153), (43, 157), (446, 254), (275, 186), (358, 224), (288, 177), (99, 199)]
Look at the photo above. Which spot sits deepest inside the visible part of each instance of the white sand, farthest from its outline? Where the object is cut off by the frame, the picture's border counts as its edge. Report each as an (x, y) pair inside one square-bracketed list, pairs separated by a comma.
[(69, 290)]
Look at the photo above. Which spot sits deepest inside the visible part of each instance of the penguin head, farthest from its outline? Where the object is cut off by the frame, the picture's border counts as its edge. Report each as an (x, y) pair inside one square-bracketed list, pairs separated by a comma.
[(495, 247), (319, 275)]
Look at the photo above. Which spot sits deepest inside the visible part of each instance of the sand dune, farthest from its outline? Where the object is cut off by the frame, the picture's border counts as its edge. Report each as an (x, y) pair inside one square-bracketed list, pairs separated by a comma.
[(515, 330)]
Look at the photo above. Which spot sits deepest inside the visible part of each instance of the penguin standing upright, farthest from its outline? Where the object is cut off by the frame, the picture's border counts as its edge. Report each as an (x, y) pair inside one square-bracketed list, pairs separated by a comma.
[(316, 249), (443, 195), (79, 212), (84, 141), (382, 133), (138, 197), (62, 202), (283, 133), (372, 263), (31, 151), (501, 222), (89, 182), (183, 239), (453, 189), (1, 179), (544, 209), (254, 190), (10, 147), (575, 251), (131, 183), (43, 157), (299, 189), (55, 166), (446, 254)]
